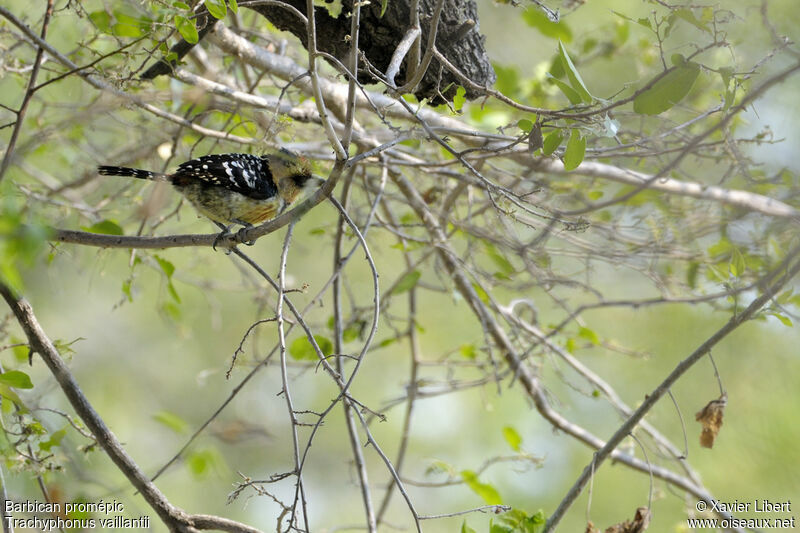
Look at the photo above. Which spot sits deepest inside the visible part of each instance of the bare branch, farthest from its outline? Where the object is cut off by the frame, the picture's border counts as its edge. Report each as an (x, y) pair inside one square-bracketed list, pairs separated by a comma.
[(737, 198), (23, 108), (175, 518), (773, 282)]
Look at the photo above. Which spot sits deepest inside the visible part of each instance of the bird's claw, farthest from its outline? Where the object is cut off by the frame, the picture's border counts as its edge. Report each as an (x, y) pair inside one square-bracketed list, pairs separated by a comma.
[(240, 236), (222, 234)]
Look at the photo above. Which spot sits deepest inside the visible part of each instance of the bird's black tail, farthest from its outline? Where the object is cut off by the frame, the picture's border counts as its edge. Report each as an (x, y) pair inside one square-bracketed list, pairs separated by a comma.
[(131, 172)]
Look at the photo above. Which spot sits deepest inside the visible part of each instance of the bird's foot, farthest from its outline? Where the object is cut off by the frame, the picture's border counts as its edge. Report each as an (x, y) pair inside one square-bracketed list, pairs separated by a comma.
[(240, 235), (226, 232)]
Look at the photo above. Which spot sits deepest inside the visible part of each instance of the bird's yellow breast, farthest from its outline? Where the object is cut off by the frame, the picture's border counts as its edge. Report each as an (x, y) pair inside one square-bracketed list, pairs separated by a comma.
[(228, 207)]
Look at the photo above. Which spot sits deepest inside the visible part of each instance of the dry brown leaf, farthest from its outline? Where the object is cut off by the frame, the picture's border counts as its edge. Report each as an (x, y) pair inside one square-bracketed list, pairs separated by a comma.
[(432, 195), (590, 527), (535, 139), (711, 418), (639, 523)]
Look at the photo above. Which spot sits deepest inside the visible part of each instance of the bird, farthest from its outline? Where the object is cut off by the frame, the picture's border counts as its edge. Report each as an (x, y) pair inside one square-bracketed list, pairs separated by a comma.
[(235, 188)]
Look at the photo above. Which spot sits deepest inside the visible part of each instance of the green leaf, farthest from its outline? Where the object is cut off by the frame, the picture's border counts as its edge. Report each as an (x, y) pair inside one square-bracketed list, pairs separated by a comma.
[(234, 6), (201, 462), (106, 227), (102, 20), (129, 25), (20, 242), (571, 94), (572, 73), (460, 98), (126, 289), (181, 5), (302, 350), (165, 265), (729, 97), (512, 438), (519, 521), (623, 31), (407, 282), (468, 351), (534, 17), (785, 320), (667, 91), (589, 335), (173, 292), (168, 269), (737, 264), (485, 491), (352, 333), (557, 67), (439, 467), (187, 29), (125, 30), (217, 9), (7, 392), (688, 16), (172, 421), (333, 7), (20, 352), (576, 149), (539, 518), (54, 440), (552, 142), (481, 293), (720, 248), (525, 125), (171, 310), (384, 5), (677, 60), (642, 21), (16, 379), (65, 348), (508, 81), (466, 529), (500, 260), (499, 528), (785, 297)]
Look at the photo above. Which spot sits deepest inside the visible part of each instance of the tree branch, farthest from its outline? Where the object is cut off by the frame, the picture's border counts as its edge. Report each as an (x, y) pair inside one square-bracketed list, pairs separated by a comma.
[(528, 379), (784, 273), (175, 518), (736, 198), (37, 63)]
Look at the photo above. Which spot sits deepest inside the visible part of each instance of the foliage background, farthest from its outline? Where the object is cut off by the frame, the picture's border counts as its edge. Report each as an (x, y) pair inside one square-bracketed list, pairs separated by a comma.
[(154, 364)]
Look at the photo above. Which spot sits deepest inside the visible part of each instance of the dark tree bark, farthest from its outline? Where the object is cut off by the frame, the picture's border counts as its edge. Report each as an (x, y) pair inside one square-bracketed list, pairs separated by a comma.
[(458, 39)]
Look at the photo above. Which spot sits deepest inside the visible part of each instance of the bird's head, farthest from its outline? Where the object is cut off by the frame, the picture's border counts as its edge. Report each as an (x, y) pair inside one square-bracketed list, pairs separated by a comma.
[(292, 174)]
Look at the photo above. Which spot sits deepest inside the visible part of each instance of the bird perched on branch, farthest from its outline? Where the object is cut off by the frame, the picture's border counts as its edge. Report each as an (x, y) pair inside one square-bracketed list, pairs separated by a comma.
[(234, 189)]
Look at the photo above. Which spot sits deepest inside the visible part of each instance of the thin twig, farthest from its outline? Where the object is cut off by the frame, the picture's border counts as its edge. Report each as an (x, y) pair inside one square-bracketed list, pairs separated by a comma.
[(23, 108), (785, 272), (352, 430), (285, 391), (176, 519)]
